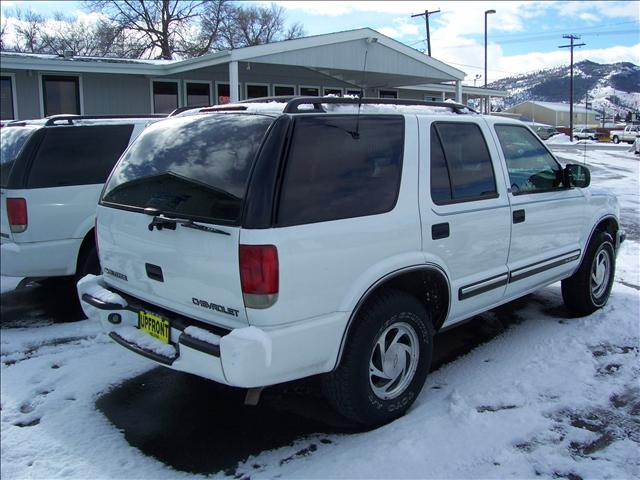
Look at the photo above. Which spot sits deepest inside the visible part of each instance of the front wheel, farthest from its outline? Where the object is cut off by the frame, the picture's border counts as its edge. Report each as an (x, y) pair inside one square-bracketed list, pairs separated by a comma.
[(589, 287), (385, 362)]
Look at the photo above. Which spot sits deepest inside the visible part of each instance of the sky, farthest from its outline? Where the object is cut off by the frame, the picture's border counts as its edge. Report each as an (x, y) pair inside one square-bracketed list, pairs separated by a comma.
[(522, 36)]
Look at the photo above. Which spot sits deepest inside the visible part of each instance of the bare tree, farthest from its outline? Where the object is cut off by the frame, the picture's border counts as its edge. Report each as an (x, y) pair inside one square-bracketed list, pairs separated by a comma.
[(208, 35), (160, 22), (85, 38), (28, 30), (256, 25)]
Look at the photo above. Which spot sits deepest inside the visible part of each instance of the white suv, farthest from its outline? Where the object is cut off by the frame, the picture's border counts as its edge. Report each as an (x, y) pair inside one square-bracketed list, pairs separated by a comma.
[(254, 244), (52, 172)]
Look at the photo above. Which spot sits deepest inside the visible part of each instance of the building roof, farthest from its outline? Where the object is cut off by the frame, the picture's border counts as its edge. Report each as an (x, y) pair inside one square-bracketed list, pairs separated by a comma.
[(387, 60), (556, 107)]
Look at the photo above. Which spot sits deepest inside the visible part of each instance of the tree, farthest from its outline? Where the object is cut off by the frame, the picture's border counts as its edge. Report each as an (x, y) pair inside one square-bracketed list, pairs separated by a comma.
[(162, 23), (81, 37), (28, 30), (255, 25), (629, 117)]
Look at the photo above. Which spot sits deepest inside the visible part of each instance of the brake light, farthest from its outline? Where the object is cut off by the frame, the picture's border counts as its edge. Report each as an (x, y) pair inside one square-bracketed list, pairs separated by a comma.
[(17, 214), (259, 275)]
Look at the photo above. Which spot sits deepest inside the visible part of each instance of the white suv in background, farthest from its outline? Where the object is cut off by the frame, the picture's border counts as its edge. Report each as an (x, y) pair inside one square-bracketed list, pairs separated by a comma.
[(51, 174), (258, 243)]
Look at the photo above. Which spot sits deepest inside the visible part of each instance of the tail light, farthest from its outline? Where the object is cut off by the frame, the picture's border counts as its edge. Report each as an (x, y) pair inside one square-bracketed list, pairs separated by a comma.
[(17, 214), (259, 275)]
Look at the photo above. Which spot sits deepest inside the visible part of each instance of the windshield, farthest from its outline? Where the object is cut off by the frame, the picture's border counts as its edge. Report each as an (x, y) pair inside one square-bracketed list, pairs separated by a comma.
[(12, 139), (193, 167)]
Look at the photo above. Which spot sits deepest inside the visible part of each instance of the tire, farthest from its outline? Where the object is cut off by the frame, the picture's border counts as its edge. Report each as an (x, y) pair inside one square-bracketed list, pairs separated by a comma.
[(362, 396), (576, 138), (589, 287), (615, 140), (88, 262)]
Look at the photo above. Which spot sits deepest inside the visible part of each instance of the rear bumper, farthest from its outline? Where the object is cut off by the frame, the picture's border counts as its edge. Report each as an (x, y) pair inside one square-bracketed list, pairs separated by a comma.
[(244, 357), (39, 259)]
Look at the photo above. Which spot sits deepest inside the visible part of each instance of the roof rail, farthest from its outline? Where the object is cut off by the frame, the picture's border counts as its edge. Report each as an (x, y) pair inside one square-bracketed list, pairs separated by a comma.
[(185, 108), (69, 118), (294, 104)]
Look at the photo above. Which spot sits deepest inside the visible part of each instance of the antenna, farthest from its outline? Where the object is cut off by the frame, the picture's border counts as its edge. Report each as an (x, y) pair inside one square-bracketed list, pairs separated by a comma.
[(356, 134)]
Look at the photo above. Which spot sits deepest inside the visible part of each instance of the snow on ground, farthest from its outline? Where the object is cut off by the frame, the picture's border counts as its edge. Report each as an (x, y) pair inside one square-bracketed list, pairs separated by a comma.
[(552, 397)]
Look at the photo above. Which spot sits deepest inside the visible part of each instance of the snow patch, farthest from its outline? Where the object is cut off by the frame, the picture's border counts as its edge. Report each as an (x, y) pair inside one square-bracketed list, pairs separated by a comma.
[(146, 341), (94, 286), (203, 335)]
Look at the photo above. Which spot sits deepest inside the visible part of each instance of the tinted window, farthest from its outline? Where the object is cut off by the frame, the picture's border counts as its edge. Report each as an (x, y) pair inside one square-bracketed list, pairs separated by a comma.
[(61, 95), (466, 162), (309, 91), (196, 166), (6, 99), (198, 94), (165, 97), (12, 140), (282, 90), (332, 175), (78, 155), (531, 167), (257, 91)]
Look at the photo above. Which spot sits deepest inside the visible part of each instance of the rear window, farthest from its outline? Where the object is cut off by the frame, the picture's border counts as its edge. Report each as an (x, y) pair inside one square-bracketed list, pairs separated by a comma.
[(79, 155), (12, 139), (193, 167), (334, 173)]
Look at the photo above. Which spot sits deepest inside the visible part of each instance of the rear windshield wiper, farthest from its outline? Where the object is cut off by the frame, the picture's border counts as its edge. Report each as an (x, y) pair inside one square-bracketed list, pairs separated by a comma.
[(160, 221)]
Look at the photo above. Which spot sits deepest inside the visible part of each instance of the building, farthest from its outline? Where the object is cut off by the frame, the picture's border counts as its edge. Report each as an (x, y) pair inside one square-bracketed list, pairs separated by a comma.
[(555, 114), (340, 63)]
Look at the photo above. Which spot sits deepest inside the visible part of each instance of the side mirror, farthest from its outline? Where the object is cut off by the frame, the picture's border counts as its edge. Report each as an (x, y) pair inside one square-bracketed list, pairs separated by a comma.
[(576, 176)]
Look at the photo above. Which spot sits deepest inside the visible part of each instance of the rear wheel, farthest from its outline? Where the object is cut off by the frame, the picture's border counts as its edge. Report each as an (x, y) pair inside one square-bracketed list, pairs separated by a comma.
[(588, 289), (615, 139), (386, 360), (88, 262)]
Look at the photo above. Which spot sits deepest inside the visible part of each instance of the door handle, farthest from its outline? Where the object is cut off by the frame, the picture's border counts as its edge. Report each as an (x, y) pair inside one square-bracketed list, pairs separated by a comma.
[(439, 230), (518, 216)]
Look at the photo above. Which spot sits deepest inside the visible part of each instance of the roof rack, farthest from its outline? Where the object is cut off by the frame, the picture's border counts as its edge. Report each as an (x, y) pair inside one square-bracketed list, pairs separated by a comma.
[(294, 104), (185, 108), (69, 118)]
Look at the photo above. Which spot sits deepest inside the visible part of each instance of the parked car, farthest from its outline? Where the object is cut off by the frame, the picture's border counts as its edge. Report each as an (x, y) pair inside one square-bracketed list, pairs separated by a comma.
[(627, 135), (52, 171), (545, 132), (254, 244), (587, 134)]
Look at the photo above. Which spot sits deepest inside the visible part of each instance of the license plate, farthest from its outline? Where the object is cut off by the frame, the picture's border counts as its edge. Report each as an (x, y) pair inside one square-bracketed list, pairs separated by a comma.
[(154, 325)]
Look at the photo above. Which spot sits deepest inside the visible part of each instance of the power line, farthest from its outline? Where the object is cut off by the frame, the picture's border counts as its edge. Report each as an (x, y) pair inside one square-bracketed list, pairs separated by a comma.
[(571, 46), (426, 21)]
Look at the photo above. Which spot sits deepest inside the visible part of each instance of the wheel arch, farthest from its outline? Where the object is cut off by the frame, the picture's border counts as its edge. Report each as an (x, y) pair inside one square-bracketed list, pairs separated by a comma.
[(607, 223), (428, 283), (87, 242)]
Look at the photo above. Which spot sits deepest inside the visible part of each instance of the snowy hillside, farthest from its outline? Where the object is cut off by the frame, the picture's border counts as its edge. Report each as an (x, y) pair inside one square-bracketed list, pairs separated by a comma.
[(616, 87)]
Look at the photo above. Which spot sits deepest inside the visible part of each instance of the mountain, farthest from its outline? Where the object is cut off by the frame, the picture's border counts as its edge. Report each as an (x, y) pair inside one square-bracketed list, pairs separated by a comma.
[(614, 87)]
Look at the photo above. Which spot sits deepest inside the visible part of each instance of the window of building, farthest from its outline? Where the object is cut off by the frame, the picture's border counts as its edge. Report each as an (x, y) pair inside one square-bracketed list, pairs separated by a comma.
[(287, 90), (388, 94), (165, 97), (223, 93), (7, 108), (333, 91), (198, 93), (310, 91), (331, 174), (257, 91), (78, 155), (461, 167), (531, 167), (353, 92), (61, 94)]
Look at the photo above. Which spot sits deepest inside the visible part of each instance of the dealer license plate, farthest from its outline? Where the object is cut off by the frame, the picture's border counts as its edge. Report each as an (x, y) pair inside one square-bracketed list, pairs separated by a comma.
[(154, 325)]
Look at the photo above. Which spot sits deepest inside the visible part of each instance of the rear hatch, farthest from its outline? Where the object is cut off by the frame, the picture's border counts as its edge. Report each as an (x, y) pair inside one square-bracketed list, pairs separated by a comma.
[(12, 141), (168, 223)]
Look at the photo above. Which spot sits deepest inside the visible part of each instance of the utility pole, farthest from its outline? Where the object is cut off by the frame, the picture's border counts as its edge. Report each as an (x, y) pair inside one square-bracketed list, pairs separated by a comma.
[(571, 46), (426, 21)]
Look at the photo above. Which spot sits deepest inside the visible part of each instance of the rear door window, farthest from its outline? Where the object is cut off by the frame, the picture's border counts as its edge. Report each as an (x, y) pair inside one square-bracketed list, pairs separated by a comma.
[(193, 167), (341, 167), (461, 168), (78, 155)]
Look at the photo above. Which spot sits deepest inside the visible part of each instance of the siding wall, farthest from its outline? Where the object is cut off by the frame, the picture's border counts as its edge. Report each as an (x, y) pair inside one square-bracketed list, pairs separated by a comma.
[(112, 94)]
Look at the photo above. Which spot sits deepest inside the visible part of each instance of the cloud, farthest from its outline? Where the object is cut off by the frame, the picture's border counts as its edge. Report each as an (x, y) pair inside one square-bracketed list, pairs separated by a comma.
[(402, 28)]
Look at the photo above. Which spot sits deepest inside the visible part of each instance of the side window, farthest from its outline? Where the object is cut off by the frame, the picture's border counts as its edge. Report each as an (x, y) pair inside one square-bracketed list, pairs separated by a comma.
[(332, 173), (461, 167), (531, 167), (78, 155)]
